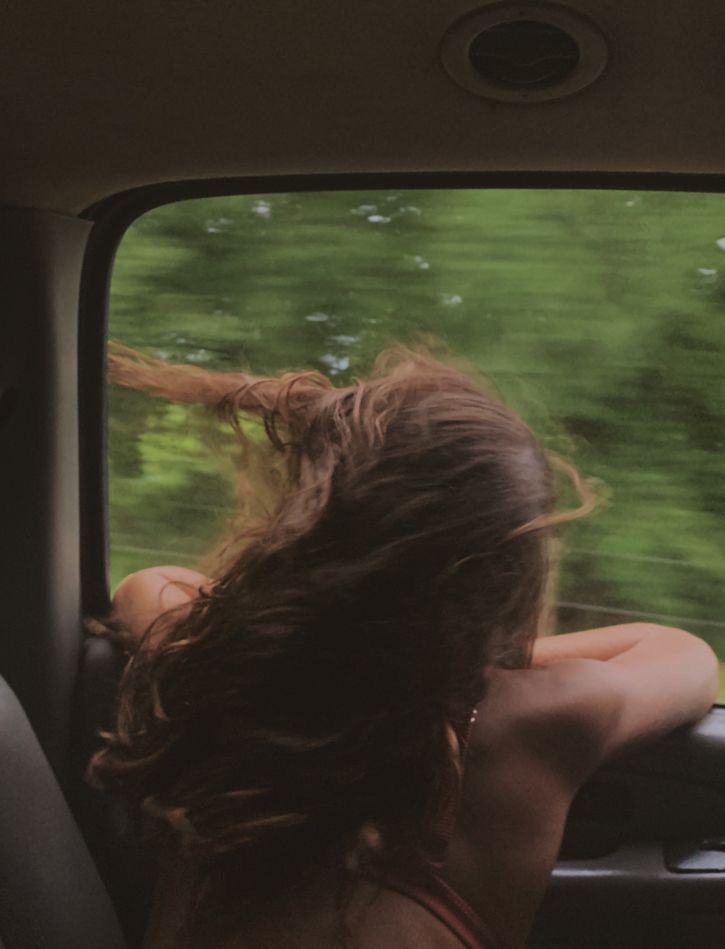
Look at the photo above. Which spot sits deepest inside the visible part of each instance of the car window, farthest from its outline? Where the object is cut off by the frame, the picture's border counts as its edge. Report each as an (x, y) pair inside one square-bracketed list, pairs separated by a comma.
[(598, 315)]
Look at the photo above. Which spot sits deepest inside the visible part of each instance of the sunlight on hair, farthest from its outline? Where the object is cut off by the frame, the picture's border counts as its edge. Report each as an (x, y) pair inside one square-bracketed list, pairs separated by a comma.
[(584, 489)]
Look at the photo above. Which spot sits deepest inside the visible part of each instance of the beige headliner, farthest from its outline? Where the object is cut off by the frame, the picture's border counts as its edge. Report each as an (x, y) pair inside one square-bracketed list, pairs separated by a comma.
[(96, 98)]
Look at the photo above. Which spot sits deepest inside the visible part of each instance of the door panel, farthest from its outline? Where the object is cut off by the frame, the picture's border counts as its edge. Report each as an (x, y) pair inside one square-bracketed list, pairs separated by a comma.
[(643, 859)]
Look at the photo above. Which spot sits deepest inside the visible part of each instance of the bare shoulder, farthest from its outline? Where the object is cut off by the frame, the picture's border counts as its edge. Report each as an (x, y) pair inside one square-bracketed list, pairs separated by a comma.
[(561, 715), (540, 734)]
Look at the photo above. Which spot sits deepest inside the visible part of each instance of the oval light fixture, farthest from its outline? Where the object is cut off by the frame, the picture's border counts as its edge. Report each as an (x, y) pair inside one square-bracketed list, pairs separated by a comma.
[(527, 52)]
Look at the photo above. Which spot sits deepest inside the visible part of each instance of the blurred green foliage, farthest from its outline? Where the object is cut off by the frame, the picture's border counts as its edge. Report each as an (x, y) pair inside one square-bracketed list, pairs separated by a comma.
[(600, 316)]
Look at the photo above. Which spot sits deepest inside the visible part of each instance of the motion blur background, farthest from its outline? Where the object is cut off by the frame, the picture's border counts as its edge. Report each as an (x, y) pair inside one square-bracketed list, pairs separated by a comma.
[(598, 315)]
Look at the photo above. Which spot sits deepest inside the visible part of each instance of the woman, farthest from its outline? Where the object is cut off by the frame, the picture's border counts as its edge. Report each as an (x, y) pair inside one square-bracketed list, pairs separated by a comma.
[(352, 734)]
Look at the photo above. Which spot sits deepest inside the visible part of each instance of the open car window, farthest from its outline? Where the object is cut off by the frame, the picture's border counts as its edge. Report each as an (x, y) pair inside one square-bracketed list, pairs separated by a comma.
[(598, 315)]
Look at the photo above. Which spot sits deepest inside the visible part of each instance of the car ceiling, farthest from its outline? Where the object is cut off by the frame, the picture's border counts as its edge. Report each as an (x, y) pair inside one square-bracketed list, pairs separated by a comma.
[(99, 98)]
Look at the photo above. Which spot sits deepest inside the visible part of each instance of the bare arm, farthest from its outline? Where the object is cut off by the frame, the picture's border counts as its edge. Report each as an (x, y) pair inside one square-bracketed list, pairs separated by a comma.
[(604, 643), (606, 688), (144, 596)]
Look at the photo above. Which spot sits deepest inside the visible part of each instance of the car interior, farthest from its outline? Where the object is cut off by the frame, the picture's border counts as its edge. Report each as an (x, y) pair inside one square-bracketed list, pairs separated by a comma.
[(114, 114)]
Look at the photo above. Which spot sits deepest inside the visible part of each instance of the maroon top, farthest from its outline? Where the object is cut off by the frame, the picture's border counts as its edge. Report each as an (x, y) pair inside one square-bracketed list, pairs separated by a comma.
[(431, 891)]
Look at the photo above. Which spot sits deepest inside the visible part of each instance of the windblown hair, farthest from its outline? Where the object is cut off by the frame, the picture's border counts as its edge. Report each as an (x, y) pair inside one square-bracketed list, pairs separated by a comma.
[(322, 686)]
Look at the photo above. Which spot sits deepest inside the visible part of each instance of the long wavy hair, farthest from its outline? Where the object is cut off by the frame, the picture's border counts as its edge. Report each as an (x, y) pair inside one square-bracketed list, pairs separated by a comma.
[(310, 709)]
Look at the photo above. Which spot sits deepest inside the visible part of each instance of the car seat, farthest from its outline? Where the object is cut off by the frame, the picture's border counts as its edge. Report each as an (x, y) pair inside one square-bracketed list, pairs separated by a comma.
[(51, 894)]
